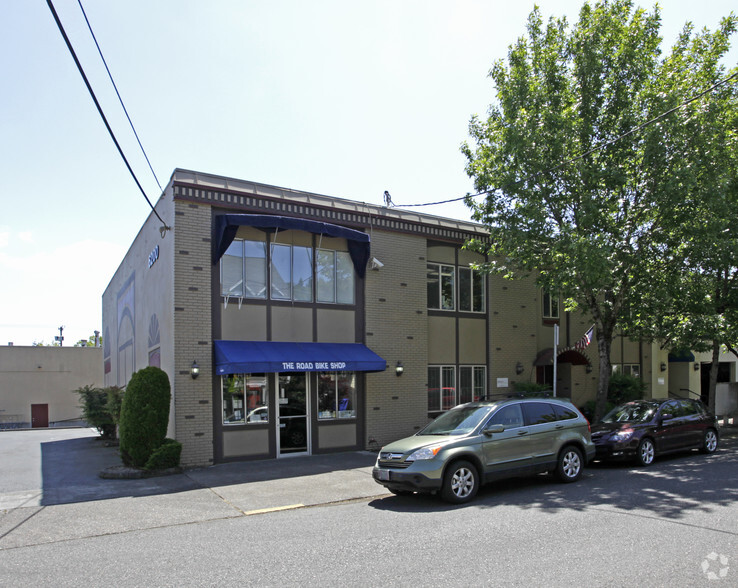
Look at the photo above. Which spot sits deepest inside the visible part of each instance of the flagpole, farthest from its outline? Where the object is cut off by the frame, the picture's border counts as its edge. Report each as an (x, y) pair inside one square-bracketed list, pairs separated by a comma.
[(556, 352)]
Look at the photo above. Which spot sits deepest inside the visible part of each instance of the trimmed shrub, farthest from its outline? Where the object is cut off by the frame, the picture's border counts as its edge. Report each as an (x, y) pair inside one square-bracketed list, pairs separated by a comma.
[(165, 456), (144, 415)]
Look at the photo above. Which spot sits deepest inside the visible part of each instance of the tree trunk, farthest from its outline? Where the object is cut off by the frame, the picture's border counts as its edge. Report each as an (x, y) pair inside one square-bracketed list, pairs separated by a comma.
[(713, 376), (604, 345)]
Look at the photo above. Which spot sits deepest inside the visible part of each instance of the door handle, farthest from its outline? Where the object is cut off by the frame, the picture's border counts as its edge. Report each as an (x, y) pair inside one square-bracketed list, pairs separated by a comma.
[(522, 433)]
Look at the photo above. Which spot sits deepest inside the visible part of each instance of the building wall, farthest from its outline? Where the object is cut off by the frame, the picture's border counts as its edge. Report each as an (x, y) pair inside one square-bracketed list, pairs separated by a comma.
[(397, 330), (193, 268), (46, 375), (137, 306)]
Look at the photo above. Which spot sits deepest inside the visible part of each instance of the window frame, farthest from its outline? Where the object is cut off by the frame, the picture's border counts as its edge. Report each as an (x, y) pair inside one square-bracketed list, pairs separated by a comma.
[(476, 277), (439, 274), (243, 405), (349, 412), (547, 305), (342, 279), (478, 373)]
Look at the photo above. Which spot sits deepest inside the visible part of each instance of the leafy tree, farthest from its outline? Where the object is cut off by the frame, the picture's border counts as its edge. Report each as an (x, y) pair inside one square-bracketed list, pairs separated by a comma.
[(701, 294), (91, 341), (583, 192)]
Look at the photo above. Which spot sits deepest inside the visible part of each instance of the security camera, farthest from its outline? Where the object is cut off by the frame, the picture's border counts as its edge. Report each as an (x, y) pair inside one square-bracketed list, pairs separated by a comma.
[(375, 264)]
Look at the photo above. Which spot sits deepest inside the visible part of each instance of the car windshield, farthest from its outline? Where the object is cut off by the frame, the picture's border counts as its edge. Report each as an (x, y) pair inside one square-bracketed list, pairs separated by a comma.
[(458, 421), (632, 412)]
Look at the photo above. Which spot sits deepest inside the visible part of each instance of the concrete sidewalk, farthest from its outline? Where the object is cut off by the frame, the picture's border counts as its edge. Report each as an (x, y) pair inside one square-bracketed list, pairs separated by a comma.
[(63, 497)]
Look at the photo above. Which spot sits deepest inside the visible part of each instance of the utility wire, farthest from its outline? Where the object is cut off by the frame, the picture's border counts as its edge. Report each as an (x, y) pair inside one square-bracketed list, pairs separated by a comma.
[(583, 155), (102, 114), (112, 81)]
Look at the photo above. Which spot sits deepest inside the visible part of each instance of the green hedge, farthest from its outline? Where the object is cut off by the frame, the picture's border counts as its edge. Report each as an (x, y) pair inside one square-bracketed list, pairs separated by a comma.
[(144, 415), (165, 456)]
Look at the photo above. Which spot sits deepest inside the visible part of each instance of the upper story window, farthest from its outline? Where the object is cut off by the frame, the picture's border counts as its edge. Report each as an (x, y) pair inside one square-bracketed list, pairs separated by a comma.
[(550, 305), (334, 274), (293, 275), (471, 290), (441, 286), (243, 270)]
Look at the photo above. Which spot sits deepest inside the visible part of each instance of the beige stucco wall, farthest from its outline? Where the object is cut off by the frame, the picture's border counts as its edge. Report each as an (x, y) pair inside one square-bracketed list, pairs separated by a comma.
[(46, 375)]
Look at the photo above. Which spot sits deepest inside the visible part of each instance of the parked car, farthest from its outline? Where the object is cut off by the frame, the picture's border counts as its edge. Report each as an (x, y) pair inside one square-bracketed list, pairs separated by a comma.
[(642, 429), (478, 442)]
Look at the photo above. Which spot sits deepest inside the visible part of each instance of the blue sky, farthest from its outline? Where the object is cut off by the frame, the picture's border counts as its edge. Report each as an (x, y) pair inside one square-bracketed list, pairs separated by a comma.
[(341, 98)]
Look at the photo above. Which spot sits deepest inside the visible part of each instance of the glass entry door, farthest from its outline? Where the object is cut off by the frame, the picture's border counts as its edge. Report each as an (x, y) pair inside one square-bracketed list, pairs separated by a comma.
[(292, 410)]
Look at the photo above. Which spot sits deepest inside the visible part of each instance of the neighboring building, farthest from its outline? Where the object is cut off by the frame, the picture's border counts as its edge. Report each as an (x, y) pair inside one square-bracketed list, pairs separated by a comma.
[(321, 324), (37, 384)]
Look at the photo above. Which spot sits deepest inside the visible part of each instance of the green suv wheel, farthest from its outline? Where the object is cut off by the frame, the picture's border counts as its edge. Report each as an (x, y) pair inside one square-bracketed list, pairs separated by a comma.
[(461, 482), (569, 467)]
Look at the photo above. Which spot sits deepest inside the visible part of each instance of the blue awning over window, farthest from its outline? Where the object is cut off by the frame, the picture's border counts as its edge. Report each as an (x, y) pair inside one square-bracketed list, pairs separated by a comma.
[(248, 357), (226, 227)]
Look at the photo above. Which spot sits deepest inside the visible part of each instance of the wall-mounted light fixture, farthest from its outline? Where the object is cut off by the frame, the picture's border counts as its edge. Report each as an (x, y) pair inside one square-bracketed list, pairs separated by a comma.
[(696, 367), (519, 368), (399, 368), (663, 366), (194, 370), (588, 369)]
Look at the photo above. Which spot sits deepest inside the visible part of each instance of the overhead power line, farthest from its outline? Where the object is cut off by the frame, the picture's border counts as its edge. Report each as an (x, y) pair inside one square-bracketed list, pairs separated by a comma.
[(164, 227), (583, 155), (115, 87)]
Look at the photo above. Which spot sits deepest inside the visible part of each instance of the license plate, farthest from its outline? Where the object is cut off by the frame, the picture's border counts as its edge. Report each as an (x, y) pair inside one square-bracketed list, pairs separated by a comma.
[(383, 475)]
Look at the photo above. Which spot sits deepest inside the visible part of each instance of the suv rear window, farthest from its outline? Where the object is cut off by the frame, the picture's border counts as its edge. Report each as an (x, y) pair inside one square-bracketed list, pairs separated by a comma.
[(537, 413), (565, 413)]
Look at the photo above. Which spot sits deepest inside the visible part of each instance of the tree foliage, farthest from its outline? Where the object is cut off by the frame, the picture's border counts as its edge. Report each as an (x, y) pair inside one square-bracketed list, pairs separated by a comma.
[(101, 408), (590, 185)]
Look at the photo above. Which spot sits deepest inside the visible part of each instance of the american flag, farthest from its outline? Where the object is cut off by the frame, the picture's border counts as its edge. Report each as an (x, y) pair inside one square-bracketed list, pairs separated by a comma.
[(586, 340)]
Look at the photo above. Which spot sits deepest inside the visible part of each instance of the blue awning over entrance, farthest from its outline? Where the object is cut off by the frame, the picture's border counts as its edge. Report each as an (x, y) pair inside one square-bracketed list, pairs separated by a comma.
[(226, 226), (245, 357)]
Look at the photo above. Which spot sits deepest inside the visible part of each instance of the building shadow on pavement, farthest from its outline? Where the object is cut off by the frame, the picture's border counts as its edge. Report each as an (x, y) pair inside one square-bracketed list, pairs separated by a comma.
[(70, 472)]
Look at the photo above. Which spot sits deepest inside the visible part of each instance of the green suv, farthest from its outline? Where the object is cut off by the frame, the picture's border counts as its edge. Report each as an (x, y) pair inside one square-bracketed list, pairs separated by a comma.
[(478, 442)]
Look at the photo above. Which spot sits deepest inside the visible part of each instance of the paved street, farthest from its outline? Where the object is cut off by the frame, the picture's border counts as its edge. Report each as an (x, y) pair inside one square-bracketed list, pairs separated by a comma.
[(321, 520)]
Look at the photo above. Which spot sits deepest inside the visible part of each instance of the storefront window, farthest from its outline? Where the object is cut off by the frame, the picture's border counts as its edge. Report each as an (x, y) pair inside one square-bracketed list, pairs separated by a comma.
[(245, 399), (336, 395)]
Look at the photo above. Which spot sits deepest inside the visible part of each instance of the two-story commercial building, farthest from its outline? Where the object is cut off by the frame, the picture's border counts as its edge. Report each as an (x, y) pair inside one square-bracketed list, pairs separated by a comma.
[(292, 322)]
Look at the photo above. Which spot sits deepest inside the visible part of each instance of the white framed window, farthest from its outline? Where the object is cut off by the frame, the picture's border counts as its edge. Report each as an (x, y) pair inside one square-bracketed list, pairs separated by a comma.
[(441, 286), (245, 399), (471, 290), (550, 305), (629, 369), (472, 383), (441, 388)]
